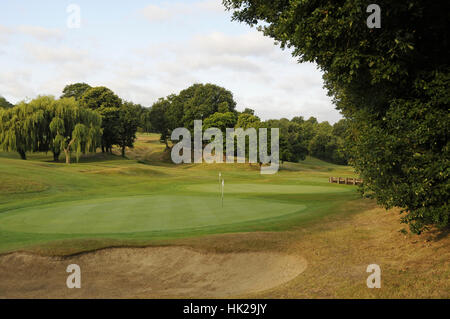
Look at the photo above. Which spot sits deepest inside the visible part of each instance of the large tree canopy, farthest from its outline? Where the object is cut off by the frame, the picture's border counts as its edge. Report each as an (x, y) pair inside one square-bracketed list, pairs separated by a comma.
[(108, 104), (198, 102), (21, 127), (74, 128), (75, 90), (100, 97), (45, 124), (391, 82)]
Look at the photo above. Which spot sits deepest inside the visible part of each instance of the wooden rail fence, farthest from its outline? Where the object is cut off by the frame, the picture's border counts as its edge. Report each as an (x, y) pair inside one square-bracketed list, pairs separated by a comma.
[(345, 180)]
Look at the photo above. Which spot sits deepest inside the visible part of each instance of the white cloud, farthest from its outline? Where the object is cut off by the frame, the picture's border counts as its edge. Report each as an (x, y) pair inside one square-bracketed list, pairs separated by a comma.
[(51, 54), (247, 44), (170, 10), (5, 33), (15, 85), (155, 13), (40, 33)]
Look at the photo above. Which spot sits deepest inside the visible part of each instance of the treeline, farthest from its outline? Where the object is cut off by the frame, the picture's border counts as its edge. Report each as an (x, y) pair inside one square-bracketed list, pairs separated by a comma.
[(85, 118), (217, 108)]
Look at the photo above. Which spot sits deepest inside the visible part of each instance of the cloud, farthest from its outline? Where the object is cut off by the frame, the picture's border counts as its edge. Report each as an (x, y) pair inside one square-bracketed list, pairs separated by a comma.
[(154, 13), (196, 63), (212, 51), (247, 44), (37, 32), (50, 54), (260, 75), (170, 10), (40, 33), (16, 84), (5, 33)]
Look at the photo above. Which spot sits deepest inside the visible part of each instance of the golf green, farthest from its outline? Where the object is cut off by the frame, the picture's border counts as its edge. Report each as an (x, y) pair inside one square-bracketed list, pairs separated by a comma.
[(141, 213), (236, 188)]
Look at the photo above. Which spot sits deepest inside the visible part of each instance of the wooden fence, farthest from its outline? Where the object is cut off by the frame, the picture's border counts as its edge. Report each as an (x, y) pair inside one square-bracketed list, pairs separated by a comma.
[(345, 180)]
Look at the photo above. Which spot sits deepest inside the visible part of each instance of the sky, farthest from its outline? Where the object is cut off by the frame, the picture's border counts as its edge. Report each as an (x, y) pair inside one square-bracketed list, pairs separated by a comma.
[(144, 50)]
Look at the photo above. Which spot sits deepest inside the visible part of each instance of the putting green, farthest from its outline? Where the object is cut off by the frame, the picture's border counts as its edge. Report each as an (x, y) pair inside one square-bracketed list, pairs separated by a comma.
[(141, 213), (269, 188)]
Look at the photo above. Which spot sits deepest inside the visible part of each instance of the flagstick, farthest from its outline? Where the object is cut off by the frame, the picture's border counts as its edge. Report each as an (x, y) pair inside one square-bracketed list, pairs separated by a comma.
[(222, 191)]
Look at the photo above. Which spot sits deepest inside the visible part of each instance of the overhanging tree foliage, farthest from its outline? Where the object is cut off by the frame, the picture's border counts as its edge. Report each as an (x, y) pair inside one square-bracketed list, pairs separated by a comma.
[(391, 82)]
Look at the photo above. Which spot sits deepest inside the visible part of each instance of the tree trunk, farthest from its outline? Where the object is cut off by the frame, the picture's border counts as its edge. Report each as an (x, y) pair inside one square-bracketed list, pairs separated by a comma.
[(103, 148), (56, 156), (23, 155), (67, 152), (123, 151)]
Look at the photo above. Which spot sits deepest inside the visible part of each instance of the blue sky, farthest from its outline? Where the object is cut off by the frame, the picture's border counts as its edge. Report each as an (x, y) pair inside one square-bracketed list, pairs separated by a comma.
[(144, 50)]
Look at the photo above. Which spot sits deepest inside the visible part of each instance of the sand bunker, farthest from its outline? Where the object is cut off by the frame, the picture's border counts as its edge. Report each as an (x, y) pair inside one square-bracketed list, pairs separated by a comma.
[(153, 272)]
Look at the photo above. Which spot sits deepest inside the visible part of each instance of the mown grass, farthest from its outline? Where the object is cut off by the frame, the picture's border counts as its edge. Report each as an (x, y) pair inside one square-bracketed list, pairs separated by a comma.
[(144, 198)]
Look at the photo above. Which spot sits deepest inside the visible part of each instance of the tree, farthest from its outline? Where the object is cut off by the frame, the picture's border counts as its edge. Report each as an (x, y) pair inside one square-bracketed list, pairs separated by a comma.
[(341, 130), (391, 82), (159, 120), (246, 120), (222, 121), (249, 111), (128, 125), (75, 90), (198, 102), (292, 144), (107, 104), (100, 97), (144, 119), (20, 127), (5, 104), (45, 106), (75, 128)]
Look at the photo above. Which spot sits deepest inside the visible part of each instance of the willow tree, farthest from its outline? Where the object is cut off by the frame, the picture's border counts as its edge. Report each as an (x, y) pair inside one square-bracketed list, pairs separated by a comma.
[(44, 104), (74, 128), (21, 128)]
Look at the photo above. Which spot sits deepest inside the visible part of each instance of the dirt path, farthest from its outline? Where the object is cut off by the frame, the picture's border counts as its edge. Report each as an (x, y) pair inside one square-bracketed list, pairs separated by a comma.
[(146, 273)]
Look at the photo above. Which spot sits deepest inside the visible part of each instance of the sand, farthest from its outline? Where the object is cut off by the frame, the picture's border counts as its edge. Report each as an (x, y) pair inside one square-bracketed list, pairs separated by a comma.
[(152, 272)]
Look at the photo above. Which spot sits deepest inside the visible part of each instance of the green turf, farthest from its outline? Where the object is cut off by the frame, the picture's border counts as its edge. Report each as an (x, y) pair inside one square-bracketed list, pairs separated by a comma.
[(141, 213), (147, 198), (270, 188)]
